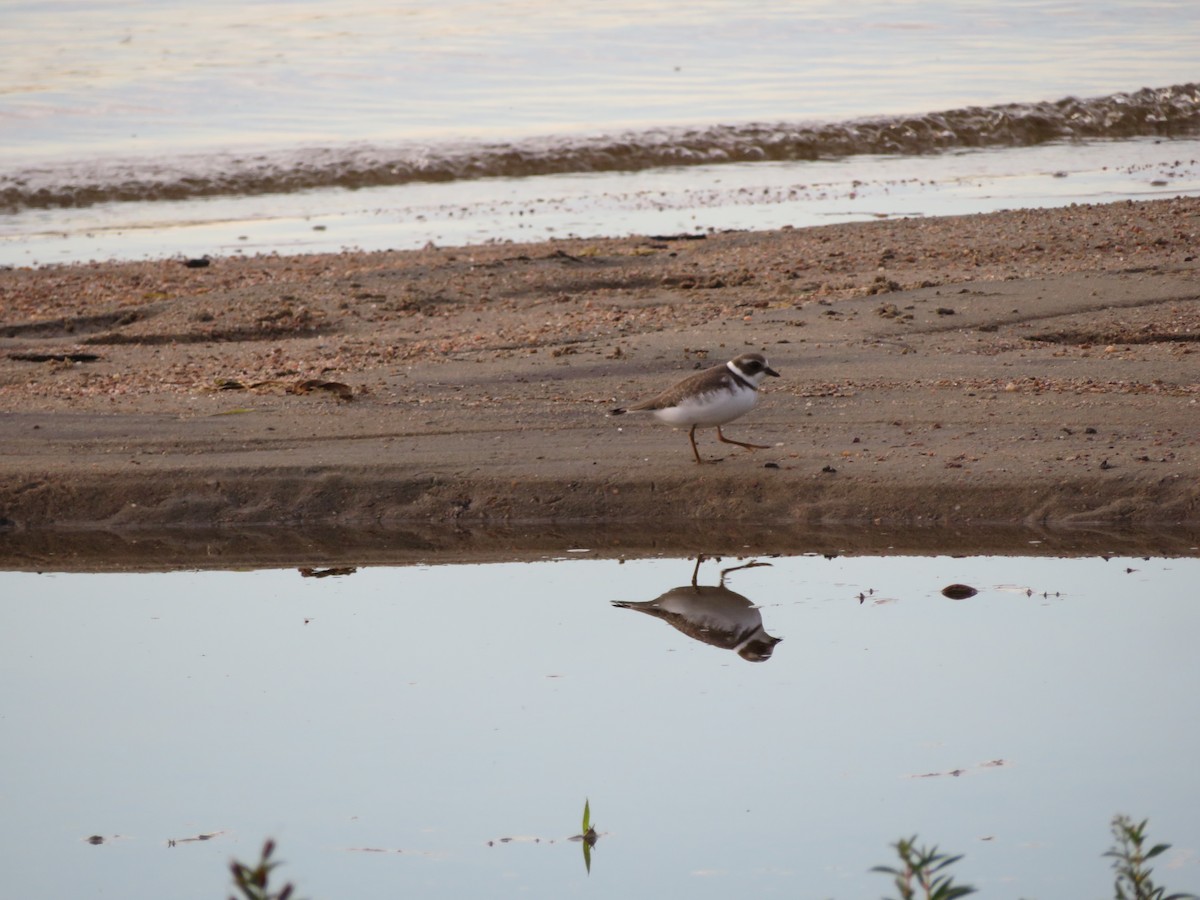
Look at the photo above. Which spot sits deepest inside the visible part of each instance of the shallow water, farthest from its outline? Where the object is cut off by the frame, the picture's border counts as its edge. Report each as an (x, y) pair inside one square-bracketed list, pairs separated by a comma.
[(694, 200), (393, 728)]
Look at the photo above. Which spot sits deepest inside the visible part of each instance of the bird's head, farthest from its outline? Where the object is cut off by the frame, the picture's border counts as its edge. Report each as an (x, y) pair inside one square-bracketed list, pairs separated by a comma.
[(753, 367)]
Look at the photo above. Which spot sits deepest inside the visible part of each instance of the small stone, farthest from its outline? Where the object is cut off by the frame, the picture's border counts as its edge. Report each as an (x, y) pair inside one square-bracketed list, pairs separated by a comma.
[(958, 591)]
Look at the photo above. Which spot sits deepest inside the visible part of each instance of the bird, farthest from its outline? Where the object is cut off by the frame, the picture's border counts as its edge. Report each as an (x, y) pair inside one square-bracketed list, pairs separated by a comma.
[(713, 397), (712, 614)]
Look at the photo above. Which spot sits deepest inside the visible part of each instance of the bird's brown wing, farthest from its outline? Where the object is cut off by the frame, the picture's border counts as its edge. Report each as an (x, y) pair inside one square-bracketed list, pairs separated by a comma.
[(671, 396)]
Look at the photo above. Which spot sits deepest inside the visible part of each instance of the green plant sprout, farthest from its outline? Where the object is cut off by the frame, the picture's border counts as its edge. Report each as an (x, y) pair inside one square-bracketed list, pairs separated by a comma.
[(923, 869), (1130, 862), (254, 883), (588, 836)]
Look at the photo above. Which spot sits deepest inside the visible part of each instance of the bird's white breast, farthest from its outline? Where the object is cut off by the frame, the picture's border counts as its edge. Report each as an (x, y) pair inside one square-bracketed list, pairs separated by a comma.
[(710, 408)]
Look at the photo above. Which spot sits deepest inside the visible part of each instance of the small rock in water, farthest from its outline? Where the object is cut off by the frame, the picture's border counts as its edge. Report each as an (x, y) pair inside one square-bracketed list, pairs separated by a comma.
[(959, 591)]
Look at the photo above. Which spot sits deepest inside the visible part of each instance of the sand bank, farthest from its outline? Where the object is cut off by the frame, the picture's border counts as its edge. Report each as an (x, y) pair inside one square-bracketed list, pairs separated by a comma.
[(1012, 370)]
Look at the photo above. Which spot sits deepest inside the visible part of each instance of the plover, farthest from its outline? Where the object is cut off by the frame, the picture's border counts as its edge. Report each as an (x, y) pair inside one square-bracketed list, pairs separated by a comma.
[(712, 614), (711, 398)]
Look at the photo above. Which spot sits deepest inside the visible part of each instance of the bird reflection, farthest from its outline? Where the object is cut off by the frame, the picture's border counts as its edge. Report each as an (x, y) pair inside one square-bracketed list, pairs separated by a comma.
[(712, 614)]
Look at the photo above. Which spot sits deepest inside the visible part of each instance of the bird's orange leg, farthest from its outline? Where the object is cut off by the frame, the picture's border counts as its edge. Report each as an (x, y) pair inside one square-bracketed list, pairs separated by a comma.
[(721, 437), (692, 438)]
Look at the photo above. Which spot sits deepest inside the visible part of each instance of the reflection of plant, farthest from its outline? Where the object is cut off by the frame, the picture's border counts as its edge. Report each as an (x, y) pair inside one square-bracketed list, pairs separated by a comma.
[(253, 883), (919, 869), (1133, 875)]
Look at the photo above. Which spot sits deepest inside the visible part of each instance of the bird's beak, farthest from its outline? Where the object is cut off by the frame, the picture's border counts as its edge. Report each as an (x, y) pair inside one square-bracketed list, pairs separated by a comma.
[(771, 371)]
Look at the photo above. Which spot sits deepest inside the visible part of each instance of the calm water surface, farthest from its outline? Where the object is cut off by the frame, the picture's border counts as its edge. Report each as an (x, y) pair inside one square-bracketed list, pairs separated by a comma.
[(183, 76), (391, 728)]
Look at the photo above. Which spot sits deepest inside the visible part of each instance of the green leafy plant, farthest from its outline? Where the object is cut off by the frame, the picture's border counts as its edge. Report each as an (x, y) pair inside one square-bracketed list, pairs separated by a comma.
[(922, 873), (588, 836), (254, 883), (1130, 860), (587, 821)]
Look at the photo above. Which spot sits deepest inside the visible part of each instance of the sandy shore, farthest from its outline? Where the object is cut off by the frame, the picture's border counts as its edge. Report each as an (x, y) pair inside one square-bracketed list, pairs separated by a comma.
[(1015, 370)]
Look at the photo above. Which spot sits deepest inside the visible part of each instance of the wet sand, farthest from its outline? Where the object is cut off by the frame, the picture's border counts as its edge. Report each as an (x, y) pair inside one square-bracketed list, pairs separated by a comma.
[(1012, 371)]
